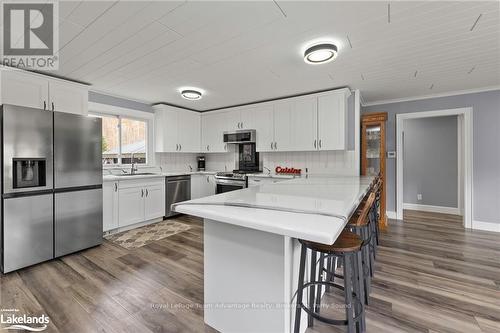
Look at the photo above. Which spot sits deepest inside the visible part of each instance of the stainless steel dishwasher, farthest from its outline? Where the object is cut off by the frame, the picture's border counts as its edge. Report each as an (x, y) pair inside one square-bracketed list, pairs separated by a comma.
[(177, 189)]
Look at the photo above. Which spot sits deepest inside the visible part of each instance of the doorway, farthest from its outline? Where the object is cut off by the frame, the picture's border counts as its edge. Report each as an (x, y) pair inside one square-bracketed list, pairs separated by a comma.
[(463, 159)]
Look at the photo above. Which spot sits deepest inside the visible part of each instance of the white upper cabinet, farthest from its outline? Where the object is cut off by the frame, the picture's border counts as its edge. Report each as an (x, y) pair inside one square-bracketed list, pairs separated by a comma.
[(247, 118), (189, 131), (68, 97), (213, 124), (282, 126), (304, 124), (166, 120), (176, 130), (24, 89), (232, 119), (43, 92), (264, 126), (332, 120)]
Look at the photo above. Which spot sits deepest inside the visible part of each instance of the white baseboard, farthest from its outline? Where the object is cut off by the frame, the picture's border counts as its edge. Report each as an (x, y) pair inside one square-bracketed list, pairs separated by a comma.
[(391, 215), (434, 209), (132, 226), (486, 226)]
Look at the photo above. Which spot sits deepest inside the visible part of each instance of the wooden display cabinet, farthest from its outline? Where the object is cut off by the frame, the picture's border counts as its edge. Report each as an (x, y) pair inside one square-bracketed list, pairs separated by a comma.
[(373, 132)]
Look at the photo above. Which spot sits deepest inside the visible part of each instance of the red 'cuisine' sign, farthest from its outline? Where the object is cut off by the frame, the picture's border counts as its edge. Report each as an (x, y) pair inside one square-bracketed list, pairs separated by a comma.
[(292, 171)]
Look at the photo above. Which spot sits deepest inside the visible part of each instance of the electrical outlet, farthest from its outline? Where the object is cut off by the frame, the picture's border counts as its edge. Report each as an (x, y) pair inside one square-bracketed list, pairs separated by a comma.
[(419, 197)]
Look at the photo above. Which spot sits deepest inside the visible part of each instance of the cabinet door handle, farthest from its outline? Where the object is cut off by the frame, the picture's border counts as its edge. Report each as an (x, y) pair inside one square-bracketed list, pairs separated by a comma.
[(271, 145), (44, 105), (208, 147), (142, 193), (225, 147), (116, 187), (315, 144), (241, 124), (180, 147), (208, 179), (320, 143), (275, 145), (147, 192), (53, 108)]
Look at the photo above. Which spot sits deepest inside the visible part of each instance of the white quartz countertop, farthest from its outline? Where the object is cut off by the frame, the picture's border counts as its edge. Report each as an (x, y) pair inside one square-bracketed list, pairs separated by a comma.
[(271, 175), (314, 208), (112, 178)]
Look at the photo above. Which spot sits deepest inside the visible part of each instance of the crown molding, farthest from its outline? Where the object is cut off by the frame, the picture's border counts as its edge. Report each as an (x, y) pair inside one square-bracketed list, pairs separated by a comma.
[(444, 94)]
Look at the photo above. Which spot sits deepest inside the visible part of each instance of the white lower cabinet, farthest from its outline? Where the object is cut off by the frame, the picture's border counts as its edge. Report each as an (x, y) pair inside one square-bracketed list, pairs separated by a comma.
[(131, 206), (110, 205), (202, 186), (128, 202), (154, 201)]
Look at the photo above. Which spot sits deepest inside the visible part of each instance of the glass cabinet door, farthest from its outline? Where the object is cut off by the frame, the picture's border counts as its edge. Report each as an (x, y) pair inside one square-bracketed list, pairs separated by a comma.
[(373, 144)]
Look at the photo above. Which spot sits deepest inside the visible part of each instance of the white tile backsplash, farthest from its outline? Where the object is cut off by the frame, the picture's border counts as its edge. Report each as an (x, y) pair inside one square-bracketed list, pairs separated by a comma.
[(220, 161), (317, 162), (320, 162), (176, 161)]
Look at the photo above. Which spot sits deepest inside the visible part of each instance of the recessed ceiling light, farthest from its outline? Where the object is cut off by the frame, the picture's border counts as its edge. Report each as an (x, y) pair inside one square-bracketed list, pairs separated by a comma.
[(320, 53), (191, 94)]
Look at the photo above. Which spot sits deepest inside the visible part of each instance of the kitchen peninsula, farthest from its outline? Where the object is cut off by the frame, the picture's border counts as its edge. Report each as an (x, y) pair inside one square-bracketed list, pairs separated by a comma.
[(251, 251)]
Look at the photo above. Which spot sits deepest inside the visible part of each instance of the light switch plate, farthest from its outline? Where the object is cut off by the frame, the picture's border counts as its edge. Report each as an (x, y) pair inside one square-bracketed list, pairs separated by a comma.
[(391, 154)]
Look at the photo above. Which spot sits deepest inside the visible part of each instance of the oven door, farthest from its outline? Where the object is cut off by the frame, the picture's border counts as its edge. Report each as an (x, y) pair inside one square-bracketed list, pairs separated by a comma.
[(227, 185)]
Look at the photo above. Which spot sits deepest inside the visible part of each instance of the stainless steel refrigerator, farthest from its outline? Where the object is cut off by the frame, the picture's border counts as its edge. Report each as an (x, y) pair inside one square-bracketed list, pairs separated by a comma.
[(51, 185)]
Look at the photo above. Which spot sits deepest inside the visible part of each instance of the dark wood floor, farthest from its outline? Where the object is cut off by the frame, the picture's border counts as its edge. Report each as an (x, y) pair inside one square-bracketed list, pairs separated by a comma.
[(431, 276)]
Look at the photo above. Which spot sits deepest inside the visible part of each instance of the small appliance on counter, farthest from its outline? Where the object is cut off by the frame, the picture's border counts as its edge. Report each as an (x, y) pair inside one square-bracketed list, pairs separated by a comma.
[(52, 185), (201, 163)]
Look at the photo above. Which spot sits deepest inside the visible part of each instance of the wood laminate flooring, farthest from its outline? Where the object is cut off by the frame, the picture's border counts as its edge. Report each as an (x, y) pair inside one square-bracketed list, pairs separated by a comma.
[(431, 276)]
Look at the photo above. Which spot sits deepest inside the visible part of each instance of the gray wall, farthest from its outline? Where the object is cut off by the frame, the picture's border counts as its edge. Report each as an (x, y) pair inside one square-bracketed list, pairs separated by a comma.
[(120, 102), (431, 161), (486, 145)]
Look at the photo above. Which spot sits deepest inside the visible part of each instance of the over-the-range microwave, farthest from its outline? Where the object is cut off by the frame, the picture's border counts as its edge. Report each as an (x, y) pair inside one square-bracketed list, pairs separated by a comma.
[(239, 136)]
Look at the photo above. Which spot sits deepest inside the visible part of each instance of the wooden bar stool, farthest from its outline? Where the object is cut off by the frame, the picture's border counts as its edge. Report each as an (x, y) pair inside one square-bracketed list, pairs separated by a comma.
[(346, 248), (378, 194), (361, 222)]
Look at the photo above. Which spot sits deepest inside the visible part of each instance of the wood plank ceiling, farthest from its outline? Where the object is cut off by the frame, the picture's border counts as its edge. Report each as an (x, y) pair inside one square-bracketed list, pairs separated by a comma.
[(244, 51)]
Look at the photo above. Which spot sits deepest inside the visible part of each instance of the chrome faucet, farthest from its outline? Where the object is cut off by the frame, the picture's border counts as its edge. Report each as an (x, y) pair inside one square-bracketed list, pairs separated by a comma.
[(268, 170), (133, 168), (190, 167)]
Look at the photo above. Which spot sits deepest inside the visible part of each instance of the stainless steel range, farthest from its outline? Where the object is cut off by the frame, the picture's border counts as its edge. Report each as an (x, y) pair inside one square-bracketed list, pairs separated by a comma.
[(230, 181)]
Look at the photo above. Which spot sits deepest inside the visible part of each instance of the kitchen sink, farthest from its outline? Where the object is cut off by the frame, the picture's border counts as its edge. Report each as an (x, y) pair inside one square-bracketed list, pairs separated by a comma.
[(136, 174)]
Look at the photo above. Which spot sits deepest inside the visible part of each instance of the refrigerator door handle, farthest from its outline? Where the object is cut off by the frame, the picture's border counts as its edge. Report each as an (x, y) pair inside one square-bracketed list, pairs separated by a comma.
[(142, 193)]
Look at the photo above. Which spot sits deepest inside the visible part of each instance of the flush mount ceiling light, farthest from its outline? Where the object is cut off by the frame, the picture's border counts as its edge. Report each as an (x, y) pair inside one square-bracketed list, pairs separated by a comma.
[(320, 53), (191, 94)]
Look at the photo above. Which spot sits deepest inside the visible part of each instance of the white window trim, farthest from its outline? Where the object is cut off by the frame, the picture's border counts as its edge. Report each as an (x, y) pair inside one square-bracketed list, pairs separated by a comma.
[(111, 110)]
